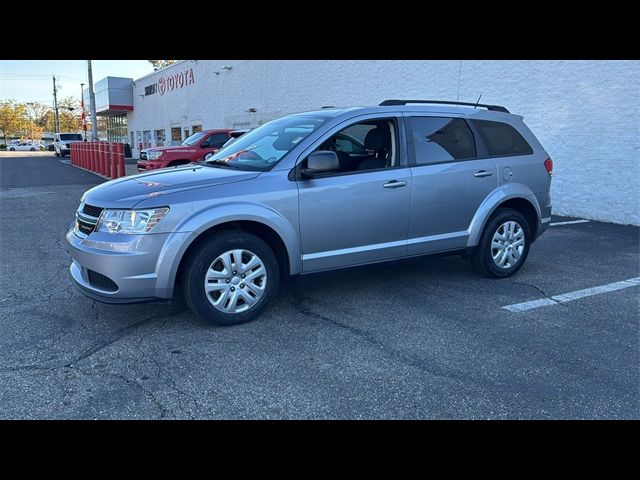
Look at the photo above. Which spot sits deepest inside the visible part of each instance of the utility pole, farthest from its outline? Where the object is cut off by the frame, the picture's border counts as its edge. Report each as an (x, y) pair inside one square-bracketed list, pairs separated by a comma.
[(56, 119), (92, 100), (84, 119)]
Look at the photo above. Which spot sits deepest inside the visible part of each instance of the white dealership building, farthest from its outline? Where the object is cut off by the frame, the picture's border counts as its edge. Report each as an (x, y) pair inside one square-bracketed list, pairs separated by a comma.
[(585, 113)]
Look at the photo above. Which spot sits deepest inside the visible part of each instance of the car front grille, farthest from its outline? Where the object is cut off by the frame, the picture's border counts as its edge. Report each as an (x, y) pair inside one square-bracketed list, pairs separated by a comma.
[(91, 210), (86, 219), (101, 281)]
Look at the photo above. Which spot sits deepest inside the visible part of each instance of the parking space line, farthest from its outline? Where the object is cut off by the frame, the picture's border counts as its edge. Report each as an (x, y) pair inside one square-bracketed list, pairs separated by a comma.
[(570, 296), (571, 222)]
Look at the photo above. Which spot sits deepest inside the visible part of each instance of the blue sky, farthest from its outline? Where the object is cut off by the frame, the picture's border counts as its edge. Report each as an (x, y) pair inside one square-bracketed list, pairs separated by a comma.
[(30, 80)]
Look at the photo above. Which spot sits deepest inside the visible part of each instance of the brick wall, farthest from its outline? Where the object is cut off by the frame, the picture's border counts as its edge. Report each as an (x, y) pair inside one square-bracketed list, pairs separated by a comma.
[(585, 113)]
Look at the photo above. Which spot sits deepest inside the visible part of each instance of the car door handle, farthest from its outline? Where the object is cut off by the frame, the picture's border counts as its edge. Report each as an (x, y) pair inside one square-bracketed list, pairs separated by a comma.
[(482, 173), (395, 184)]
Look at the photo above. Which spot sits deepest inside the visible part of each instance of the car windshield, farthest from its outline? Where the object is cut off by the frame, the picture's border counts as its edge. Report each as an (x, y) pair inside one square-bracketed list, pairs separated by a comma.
[(193, 139), (265, 146), (70, 136)]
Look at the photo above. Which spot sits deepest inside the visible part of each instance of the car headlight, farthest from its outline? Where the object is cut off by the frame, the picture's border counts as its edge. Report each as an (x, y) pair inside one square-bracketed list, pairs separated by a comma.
[(130, 221), (154, 155)]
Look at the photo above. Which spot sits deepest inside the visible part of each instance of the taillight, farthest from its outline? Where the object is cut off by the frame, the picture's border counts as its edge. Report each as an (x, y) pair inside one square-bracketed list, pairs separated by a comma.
[(548, 164)]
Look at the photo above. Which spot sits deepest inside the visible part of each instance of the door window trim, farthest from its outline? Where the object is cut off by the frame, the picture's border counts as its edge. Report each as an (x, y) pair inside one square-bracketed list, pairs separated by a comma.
[(401, 143)]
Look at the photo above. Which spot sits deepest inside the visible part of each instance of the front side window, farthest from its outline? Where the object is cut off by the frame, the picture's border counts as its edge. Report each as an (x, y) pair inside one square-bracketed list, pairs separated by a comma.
[(502, 139), (368, 145), (193, 139), (441, 139), (265, 146)]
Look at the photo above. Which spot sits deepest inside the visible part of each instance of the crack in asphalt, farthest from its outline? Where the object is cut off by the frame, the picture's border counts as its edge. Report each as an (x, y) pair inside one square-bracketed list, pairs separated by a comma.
[(542, 292), (299, 301)]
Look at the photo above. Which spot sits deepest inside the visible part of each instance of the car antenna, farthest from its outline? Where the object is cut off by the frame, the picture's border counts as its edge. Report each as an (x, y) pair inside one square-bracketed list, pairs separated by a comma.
[(476, 105)]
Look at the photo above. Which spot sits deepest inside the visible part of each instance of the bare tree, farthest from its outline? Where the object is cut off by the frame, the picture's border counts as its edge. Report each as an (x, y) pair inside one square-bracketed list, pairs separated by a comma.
[(158, 64)]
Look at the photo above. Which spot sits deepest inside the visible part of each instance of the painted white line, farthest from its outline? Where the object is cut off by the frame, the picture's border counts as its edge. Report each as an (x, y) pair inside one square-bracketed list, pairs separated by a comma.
[(568, 223), (569, 297)]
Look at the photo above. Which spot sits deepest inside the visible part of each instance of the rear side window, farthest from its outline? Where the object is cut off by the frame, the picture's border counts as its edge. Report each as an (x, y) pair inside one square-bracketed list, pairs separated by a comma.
[(441, 139), (217, 139), (502, 139)]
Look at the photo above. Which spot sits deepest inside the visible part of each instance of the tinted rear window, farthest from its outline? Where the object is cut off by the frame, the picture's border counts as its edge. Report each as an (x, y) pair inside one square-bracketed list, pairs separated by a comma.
[(502, 139), (441, 139)]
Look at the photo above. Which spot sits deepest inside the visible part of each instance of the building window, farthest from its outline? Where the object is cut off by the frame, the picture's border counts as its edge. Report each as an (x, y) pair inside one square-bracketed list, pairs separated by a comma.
[(160, 139), (115, 128), (176, 135), (196, 128), (139, 137), (186, 133), (146, 138)]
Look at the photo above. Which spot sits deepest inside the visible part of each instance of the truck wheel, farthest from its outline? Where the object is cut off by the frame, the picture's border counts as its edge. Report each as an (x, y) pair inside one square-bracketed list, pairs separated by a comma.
[(177, 163), (504, 245), (230, 278)]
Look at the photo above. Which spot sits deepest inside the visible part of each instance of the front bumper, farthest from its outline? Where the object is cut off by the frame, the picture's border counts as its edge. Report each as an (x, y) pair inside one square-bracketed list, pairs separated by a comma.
[(145, 166), (130, 261)]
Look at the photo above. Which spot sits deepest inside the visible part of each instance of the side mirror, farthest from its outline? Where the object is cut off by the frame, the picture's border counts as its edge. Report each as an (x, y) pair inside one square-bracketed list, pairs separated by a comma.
[(205, 145), (322, 161)]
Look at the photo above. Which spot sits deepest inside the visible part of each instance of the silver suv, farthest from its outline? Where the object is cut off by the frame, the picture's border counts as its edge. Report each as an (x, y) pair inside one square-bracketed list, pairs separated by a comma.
[(317, 191)]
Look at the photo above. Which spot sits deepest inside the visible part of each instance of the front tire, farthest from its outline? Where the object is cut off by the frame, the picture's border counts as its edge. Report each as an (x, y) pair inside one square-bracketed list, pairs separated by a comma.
[(230, 278), (504, 244)]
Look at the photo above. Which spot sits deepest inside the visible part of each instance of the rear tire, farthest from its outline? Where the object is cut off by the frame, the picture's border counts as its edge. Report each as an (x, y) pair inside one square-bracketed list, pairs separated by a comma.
[(503, 257), (204, 269)]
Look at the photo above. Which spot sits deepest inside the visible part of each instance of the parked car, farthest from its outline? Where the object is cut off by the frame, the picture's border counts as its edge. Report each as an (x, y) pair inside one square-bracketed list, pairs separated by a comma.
[(199, 146), (235, 135), (24, 147), (62, 143), (317, 191)]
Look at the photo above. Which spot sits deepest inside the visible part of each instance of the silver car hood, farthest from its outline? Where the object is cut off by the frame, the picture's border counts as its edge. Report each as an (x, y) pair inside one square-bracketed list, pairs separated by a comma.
[(128, 191)]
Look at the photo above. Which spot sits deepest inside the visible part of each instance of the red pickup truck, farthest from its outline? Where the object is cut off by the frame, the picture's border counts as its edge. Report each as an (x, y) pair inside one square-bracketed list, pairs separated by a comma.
[(197, 147)]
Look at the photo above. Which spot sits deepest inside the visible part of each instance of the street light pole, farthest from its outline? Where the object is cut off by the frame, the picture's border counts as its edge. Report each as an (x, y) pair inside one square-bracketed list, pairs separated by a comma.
[(92, 100)]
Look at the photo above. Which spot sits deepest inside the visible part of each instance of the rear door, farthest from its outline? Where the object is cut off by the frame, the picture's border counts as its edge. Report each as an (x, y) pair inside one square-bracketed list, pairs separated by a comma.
[(452, 175)]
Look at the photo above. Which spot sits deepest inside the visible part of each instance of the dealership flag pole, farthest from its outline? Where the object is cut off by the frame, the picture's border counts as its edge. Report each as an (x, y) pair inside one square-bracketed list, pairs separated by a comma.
[(92, 101)]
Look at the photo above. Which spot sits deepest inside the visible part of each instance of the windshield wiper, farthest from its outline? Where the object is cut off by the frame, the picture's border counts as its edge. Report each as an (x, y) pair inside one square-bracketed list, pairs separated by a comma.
[(221, 163)]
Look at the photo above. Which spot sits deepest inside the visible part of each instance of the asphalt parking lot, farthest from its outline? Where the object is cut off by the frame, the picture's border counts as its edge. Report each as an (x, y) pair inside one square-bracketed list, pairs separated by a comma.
[(422, 338)]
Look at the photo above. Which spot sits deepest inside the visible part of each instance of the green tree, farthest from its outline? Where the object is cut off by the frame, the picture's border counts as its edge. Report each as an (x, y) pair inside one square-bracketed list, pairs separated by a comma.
[(69, 113), (38, 112), (158, 64), (31, 131), (13, 117)]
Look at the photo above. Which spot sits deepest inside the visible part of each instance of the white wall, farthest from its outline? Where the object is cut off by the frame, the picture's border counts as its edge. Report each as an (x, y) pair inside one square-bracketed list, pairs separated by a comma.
[(585, 113)]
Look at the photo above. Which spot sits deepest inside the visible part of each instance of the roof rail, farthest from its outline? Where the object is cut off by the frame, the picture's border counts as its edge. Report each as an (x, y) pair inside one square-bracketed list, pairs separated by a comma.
[(496, 108)]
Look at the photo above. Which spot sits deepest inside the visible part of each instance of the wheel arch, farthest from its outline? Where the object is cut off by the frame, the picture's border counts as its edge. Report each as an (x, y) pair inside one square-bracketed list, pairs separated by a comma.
[(516, 196), (267, 225)]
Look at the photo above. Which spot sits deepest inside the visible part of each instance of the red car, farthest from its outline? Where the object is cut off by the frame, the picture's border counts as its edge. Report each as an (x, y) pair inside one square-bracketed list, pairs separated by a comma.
[(197, 147)]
